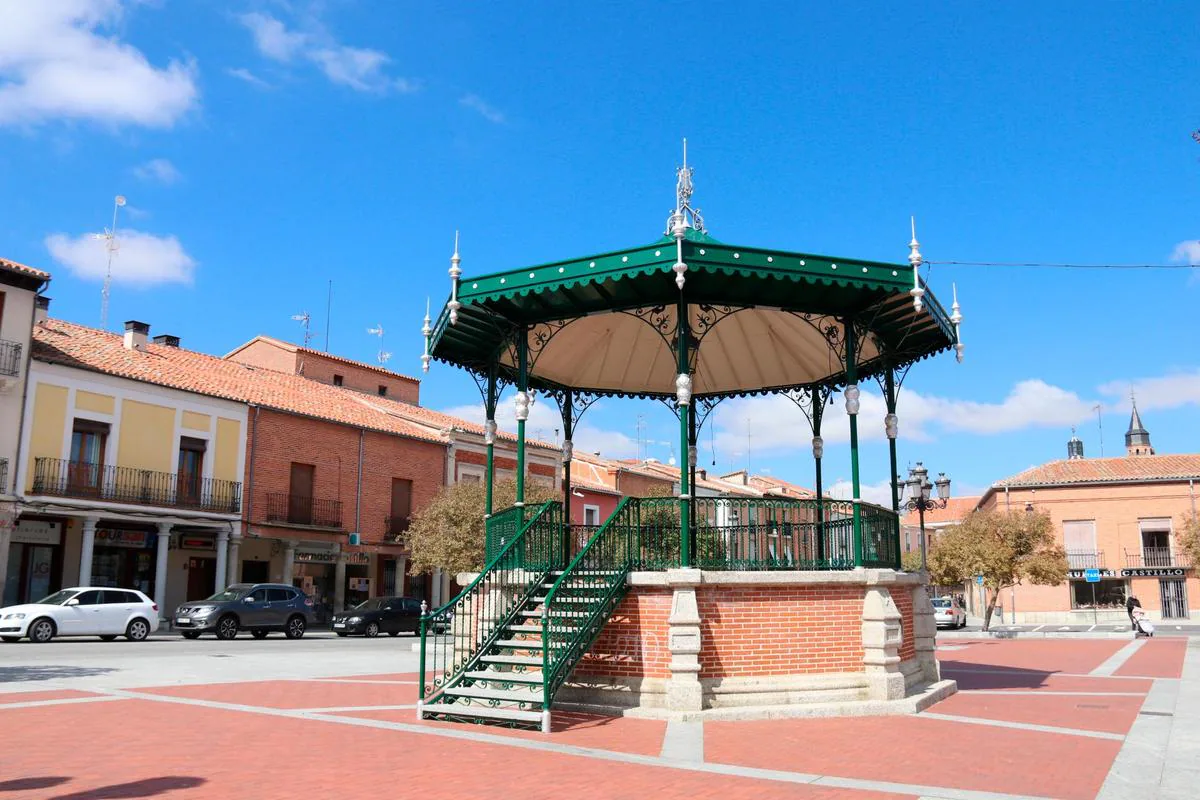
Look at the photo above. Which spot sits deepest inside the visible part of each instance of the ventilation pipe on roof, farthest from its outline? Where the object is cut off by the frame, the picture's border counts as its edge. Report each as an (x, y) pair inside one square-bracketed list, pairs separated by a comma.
[(166, 340), (41, 309), (136, 334)]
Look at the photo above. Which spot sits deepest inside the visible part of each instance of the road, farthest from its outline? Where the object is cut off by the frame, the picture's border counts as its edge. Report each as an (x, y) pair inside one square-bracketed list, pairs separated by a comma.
[(170, 660)]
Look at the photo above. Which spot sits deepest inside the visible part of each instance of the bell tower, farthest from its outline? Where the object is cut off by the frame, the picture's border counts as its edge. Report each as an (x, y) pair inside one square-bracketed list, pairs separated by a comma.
[(1137, 438)]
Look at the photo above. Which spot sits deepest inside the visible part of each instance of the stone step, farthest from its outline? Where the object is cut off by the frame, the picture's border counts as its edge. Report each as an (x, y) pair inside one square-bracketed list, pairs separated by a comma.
[(517, 661), (517, 644), (505, 676), (557, 614), (528, 695), (481, 712)]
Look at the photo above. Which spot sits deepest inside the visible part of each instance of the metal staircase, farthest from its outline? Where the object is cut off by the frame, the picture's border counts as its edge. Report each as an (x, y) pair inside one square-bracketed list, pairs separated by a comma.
[(516, 633)]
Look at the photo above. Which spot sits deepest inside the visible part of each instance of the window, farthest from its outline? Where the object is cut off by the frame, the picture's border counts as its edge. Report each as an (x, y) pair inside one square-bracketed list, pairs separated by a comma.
[(382, 390), (191, 467), (113, 597), (1109, 594), (300, 494), (401, 506), (412, 606), (91, 598), (279, 595), (259, 595), (337, 380), (88, 442), (591, 515), (1079, 539)]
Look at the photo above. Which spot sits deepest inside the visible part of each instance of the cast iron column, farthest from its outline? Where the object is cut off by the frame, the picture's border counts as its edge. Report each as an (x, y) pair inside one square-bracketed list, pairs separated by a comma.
[(490, 438), (851, 394), (819, 451), (683, 395), (522, 409)]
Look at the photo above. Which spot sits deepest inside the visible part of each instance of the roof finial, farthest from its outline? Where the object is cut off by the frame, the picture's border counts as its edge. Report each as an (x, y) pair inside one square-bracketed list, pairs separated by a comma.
[(956, 317), (914, 258), (455, 274), (425, 331), (684, 215)]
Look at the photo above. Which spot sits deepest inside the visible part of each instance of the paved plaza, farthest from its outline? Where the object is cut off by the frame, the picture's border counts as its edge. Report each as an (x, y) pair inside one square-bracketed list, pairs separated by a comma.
[(320, 717)]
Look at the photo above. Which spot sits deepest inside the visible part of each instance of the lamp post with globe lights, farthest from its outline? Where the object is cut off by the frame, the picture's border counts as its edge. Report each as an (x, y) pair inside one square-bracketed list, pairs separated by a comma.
[(918, 490)]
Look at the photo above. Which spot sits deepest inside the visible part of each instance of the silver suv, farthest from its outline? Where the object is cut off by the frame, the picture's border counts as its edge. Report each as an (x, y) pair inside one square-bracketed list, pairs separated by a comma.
[(257, 607)]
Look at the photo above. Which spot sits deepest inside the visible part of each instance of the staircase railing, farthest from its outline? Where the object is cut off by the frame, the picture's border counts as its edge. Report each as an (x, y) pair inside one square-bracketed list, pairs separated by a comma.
[(467, 627), (600, 572)]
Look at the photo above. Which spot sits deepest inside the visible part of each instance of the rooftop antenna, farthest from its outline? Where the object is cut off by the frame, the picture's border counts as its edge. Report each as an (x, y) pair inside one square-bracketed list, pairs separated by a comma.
[(328, 306), (305, 319), (747, 447), (640, 425), (383, 355), (111, 245), (1100, 424)]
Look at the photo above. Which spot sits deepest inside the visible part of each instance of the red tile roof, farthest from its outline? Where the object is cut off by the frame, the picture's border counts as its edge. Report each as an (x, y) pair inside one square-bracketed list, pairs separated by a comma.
[(60, 342), (13, 266), (1127, 469), (295, 348), (440, 421), (956, 509), (767, 484)]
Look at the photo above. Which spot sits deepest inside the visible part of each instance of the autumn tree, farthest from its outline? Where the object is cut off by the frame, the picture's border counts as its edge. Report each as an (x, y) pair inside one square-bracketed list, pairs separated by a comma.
[(911, 561), (1189, 537), (449, 532), (1006, 547)]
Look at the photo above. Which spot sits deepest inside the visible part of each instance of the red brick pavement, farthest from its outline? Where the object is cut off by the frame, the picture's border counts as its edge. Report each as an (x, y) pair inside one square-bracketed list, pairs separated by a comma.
[(1051, 655), (31, 697), (1157, 658), (980, 677), (297, 694), (1084, 712)]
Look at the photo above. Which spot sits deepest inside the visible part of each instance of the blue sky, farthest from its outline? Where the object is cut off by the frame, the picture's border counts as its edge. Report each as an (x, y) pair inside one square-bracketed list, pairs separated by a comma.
[(269, 147)]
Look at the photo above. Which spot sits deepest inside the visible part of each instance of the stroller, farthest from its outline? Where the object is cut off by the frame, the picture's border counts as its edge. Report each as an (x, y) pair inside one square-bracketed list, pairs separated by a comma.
[(1144, 626)]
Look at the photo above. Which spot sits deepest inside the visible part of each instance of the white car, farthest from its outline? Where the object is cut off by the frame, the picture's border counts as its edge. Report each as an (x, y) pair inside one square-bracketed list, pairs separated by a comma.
[(82, 611), (948, 613)]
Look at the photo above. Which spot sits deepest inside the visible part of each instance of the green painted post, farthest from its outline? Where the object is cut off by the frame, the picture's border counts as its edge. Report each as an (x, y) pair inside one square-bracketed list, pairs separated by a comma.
[(568, 431), (691, 462), (684, 399), (421, 682), (522, 409), (890, 389), (491, 402), (818, 451), (852, 406)]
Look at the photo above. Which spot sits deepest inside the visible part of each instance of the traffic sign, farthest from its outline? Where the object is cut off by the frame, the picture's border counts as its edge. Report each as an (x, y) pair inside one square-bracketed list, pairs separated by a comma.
[(1091, 575), (979, 579)]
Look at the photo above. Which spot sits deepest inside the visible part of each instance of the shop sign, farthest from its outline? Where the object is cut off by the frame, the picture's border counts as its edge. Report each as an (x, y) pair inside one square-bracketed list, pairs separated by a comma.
[(31, 531), (330, 558), (1080, 574), (107, 537), (196, 543), (1154, 572), (360, 584)]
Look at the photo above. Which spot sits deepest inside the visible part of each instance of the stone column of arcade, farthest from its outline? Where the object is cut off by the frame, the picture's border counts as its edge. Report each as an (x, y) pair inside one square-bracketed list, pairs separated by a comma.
[(160, 568), (86, 548)]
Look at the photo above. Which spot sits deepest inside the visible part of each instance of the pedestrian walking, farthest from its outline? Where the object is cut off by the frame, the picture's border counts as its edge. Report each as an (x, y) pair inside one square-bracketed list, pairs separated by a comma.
[(1130, 604)]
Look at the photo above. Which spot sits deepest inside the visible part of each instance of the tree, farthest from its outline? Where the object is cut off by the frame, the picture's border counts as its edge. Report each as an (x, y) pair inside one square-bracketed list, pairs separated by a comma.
[(911, 561), (449, 532), (1005, 547), (1189, 537)]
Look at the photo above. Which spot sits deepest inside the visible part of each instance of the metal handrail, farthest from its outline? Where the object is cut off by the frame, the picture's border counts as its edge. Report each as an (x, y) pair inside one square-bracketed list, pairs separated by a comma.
[(60, 477), (294, 509), (1085, 559)]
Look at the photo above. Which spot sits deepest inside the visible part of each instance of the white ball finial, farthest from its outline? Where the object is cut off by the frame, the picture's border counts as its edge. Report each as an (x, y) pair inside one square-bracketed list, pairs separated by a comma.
[(852, 395), (683, 388)]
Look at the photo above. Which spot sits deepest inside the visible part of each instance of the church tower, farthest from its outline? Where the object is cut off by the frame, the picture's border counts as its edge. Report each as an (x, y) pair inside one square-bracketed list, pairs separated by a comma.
[(1137, 438)]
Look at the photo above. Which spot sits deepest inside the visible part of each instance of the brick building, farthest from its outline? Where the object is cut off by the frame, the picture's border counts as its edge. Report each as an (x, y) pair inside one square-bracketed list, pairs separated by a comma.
[(1120, 516)]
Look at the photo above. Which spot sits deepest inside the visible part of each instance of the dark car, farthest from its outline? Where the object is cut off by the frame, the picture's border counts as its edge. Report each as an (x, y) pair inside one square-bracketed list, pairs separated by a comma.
[(390, 615), (256, 607)]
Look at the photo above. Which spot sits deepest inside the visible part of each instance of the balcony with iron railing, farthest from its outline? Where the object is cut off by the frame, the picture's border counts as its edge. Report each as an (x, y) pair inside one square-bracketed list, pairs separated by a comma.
[(58, 477), (10, 358), (394, 528), (1156, 557), (309, 512), (1085, 559), (3, 476)]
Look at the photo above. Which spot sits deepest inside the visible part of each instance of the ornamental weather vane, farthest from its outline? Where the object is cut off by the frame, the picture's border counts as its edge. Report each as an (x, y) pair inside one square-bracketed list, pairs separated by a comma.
[(683, 198)]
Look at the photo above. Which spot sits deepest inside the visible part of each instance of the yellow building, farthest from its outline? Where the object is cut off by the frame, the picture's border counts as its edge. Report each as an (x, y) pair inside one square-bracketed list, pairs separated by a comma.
[(125, 482)]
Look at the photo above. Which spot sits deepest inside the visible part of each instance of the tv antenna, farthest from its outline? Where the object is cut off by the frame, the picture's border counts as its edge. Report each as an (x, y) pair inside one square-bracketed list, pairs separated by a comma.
[(1100, 424), (383, 355), (305, 320), (109, 237)]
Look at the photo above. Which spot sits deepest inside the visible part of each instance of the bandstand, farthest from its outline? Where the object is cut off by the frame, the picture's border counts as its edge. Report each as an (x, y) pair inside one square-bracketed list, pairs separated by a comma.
[(687, 606)]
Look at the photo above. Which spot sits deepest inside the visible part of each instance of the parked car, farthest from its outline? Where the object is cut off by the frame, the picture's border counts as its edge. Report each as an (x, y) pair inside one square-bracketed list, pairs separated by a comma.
[(947, 612), (82, 611), (390, 615), (256, 607)]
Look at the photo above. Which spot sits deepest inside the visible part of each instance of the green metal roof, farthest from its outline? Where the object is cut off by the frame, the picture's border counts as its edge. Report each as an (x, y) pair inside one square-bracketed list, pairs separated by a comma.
[(782, 301)]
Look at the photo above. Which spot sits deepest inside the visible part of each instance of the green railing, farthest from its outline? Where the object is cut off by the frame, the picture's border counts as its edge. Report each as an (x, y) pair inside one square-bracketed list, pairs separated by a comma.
[(881, 536), (501, 528), (581, 600), (468, 626)]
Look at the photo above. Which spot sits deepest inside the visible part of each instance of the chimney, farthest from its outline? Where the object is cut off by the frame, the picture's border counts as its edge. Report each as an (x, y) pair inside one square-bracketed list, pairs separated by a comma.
[(135, 335), (41, 309), (166, 340)]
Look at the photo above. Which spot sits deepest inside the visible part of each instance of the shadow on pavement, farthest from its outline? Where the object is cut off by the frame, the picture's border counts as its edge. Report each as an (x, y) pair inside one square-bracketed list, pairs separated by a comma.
[(50, 673), (147, 787), (971, 675), (27, 784)]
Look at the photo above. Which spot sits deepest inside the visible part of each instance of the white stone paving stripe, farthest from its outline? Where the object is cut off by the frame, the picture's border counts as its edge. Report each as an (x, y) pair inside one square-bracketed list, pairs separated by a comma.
[(337, 709), (1020, 672), (683, 741), (1118, 659), (65, 701), (780, 776), (1138, 767), (351, 680), (1024, 726)]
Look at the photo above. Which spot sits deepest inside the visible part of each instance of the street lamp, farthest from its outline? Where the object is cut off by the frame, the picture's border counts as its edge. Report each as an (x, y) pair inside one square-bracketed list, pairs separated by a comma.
[(918, 489)]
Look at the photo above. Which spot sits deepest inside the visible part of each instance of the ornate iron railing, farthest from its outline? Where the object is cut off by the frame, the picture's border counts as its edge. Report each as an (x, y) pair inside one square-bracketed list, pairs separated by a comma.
[(10, 358), (468, 627), (59, 477), (1155, 557), (581, 600), (501, 528), (295, 509), (3, 475), (880, 536), (1085, 559)]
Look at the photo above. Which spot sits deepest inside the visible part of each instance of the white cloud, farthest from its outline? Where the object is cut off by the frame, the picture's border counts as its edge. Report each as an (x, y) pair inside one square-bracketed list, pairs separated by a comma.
[(477, 104), (362, 69), (775, 423), (158, 169), (878, 493), (1166, 391), (59, 61), (249, 77), (544, 420), (1187, 252), (143, 259)]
